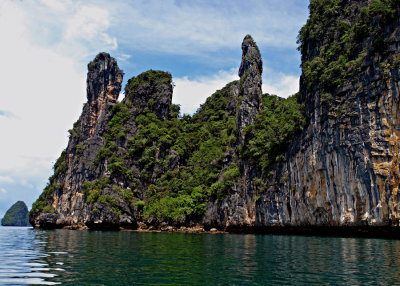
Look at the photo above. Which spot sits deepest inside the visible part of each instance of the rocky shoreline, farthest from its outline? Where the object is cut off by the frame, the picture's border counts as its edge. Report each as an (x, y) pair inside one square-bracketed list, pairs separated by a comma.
[(382, 232), (145, 228)]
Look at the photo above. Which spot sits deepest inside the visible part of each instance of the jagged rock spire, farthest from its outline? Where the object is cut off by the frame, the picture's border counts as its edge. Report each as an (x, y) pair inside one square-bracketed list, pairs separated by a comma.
[(250, 83), (251, 57), (104, 80)]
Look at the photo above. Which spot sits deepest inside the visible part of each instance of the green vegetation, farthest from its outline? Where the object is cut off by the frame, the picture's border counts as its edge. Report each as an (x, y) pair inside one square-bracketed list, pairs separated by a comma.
[(75, 132), (116, 132), (80, 148), (150, 78), (178, 192), (16, 215), (91, 66), (274, 128), (168, 170), (201, 142), (96, 192), (175, 110), (220, 189), (120, 115), (343, 52), (43, 203)]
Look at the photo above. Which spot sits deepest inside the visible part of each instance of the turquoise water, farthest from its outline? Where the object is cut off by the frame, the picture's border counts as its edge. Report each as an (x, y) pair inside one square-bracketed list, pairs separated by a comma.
[(29, 256)]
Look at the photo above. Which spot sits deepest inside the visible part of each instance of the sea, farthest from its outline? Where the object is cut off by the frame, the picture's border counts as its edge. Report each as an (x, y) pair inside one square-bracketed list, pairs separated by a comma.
[(66, 257)]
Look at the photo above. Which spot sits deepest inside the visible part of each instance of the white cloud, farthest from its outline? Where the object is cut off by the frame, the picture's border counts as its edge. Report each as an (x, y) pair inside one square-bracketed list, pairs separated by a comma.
[(191, 93), (43, 84), (90, 22), (283, 85), (121, 58), (6, 179), (2, 190), (55, 5), (74, 29), (181, 27), (25, 183)]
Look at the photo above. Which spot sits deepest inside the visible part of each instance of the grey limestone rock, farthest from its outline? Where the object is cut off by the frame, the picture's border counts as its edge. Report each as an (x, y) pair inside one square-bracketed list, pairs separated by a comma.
[(343, 170), (250, 94), (151, 90)]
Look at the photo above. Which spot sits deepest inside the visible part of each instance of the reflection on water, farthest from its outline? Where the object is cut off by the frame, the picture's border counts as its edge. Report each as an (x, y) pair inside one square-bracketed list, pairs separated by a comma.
[(110, 258), (23, 259)]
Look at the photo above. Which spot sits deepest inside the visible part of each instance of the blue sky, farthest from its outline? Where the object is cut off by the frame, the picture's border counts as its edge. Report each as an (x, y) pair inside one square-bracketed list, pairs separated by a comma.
[(46, 45)]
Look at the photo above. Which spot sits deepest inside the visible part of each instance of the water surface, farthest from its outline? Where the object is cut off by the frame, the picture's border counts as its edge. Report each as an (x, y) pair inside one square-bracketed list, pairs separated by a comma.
[(66, 257)]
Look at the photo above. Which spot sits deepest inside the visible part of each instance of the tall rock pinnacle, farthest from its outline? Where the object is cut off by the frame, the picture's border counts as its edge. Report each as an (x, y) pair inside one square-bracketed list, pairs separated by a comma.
[(104, 80), (250, 83)]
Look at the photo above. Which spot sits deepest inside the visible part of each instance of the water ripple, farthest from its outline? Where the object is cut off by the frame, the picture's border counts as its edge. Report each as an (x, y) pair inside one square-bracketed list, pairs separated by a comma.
[(22, 251), (124, 258)]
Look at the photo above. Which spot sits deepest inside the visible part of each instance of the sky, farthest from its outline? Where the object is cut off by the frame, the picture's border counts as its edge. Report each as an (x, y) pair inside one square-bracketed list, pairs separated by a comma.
[(47, 44)]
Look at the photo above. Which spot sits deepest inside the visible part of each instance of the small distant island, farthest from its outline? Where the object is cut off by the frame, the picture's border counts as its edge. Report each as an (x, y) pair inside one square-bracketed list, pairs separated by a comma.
[(17, 215)]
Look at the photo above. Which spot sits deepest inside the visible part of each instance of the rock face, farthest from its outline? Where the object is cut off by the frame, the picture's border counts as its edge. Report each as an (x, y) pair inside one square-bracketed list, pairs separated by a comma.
[(104, 80), (89, 189), (64, 191), (151, 90), (250, 95), (239, 208), (16, 215), (136, 163), (343, 170)]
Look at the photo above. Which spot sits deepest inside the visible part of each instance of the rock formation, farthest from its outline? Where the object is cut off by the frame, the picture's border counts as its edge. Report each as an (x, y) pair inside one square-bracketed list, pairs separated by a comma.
[(244, 160), (250, 83), (104, 80), (152, 90), (343, 170), (85, 190), (16, 215)]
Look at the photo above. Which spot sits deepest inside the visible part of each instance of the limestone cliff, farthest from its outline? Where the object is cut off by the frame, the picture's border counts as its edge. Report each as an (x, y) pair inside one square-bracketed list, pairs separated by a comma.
[(343, 170), (104, 80), (327, 156), (94, 179)]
